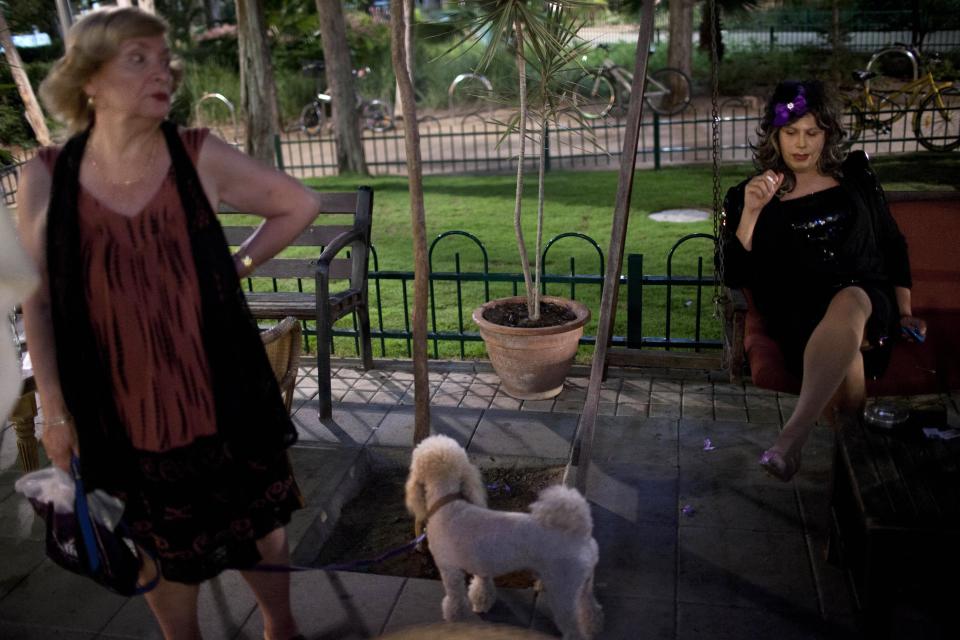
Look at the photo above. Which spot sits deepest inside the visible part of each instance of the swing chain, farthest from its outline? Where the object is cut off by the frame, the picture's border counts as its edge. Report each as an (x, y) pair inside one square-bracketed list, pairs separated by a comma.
[(719, 298)]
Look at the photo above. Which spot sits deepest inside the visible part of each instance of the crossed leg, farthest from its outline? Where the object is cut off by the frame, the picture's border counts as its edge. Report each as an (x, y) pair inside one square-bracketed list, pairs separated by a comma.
[(831, 361)]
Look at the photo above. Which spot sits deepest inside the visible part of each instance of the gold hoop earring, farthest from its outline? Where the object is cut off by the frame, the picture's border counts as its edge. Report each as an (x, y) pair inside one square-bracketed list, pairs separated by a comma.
[(91, 105)]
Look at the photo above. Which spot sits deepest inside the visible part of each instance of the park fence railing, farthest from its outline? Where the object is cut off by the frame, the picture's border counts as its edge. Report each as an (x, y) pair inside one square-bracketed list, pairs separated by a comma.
[(668, 312), (475, 144)]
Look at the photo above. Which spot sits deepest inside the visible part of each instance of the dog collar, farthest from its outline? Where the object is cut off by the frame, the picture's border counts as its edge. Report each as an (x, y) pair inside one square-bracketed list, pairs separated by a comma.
[(442, 502)]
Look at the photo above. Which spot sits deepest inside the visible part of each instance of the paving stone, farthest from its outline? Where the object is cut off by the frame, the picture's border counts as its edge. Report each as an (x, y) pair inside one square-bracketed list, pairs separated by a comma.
[(401, 376), (734, 493), (503, 401), (607, 409), (419, 604), (358, 397), (698, 412), (460, 377), (697, 400), (625, 618), (488, 378), (636, 559), (396, 430), (577, 382), (544, 406), (731, 415), (758, 569), (386, 397), (568, 406), (12, 631), (473, 401), (225, 603), (665, 410), (638, 384), (539, 435), (665, 397), (80, 604), (729, 402), (446, 399), (481, 389), (366, 385), (738, 444), (347, 372), (18, 557), (658, 385), (18, 520), (715, 622), (632, 409), (729, 388), (572, 393), (634, 396), (609, 395), (337, 604), (763, 415), (633, 440), (639, 493), (697, 386), (351, 425), (319, 469)]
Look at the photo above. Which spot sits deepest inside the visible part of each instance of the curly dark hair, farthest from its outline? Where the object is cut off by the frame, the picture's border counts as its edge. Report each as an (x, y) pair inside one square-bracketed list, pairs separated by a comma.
[(766, 153)]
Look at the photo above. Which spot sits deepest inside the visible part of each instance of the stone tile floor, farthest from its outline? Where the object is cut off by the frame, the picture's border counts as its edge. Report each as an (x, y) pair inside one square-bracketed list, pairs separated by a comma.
[(694, 543)]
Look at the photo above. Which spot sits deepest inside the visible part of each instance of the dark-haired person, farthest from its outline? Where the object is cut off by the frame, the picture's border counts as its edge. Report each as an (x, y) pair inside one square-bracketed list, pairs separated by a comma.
[(812, 238), (147, 361)]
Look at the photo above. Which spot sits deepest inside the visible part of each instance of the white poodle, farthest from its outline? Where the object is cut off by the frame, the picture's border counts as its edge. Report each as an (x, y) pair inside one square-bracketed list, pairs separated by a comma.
[(554, 540)]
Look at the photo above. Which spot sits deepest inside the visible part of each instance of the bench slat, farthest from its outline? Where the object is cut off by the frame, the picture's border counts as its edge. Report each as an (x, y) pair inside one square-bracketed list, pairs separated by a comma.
[(315, 236), (301, 268)]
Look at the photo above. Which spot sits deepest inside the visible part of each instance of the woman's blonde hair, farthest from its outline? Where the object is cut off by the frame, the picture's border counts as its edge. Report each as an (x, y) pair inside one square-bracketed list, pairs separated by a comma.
[(94, 40)]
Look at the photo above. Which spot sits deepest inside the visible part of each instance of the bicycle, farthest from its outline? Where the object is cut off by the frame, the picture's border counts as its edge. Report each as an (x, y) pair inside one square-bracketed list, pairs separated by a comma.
[(596, 92), (375, 115), (879, 102)]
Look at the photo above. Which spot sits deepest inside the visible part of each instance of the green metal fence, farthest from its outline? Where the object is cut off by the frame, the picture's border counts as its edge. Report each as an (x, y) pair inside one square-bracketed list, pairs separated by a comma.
[(461, 281)]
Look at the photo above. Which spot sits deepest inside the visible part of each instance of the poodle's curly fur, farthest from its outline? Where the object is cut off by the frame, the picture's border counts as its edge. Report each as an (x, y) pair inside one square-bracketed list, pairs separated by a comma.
[(554, 540)]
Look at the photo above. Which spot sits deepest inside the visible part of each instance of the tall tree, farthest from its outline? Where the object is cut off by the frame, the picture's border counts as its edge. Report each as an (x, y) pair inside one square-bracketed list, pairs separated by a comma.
[(258, 93), (336, 56), (32, 110), (401, 17), (680, 46)]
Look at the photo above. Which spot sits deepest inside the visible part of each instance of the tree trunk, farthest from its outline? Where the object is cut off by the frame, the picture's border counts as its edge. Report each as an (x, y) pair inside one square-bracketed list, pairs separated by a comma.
[(65, 17), (408, 47), (32, 110), (340, 83), (680, 49), (148, 6), (706, 31), (400, 20), (258, 93)]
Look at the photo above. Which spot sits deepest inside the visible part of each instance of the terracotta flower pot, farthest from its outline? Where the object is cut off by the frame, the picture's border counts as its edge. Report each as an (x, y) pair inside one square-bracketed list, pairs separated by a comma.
[(532, 362)]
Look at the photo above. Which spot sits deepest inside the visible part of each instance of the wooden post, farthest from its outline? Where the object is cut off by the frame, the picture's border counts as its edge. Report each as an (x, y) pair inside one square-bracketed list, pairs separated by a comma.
[(22, 418), (583, 439), (421, 282), (32, 110)]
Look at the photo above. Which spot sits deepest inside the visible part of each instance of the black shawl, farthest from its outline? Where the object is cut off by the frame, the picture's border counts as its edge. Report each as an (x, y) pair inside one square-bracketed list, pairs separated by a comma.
[(249, 409)]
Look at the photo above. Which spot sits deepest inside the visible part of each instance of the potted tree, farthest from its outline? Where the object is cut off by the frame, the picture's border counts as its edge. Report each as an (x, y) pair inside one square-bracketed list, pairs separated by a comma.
[(532, 339)]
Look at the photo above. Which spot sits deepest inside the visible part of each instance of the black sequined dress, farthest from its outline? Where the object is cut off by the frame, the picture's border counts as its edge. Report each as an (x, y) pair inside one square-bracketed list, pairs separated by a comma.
[(806, 249)]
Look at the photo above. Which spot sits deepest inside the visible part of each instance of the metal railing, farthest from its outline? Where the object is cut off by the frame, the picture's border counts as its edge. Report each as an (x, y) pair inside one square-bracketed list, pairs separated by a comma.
[(455, 290)]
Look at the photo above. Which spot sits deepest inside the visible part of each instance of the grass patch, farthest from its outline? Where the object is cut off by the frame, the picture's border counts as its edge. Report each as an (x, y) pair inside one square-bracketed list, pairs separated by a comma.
[(580, 202)]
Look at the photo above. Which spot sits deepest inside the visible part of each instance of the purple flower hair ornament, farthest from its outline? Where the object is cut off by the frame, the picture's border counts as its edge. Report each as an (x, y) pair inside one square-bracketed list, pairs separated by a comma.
[(783, 111)]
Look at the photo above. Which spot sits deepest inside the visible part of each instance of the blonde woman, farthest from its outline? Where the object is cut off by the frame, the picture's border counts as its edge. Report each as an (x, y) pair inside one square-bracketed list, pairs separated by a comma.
[(148, 364)]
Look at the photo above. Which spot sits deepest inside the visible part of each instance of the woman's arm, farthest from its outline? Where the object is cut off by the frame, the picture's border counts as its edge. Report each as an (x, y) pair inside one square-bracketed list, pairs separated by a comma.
[(59, 433), (251, 187)]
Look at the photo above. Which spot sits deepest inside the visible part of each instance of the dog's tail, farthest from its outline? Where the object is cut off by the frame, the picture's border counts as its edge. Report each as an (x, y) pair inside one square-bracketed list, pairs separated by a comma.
[(563, 508)]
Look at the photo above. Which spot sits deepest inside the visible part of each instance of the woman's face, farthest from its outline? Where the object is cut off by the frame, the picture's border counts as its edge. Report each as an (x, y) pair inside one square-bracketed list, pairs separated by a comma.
[(801, 143), (135, 82)]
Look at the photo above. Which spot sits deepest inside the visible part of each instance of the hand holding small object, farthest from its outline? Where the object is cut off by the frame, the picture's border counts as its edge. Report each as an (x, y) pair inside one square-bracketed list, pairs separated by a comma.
[(913, 328)]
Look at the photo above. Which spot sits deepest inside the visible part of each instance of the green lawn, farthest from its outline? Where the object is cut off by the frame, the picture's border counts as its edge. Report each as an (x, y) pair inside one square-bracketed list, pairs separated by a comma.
[(580, 202)]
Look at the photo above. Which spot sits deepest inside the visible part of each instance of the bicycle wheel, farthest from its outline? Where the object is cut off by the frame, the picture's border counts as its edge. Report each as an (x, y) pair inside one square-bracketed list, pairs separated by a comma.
[(593, 96), (376, 115), (937, 123), (667, 91), (852, 121), (311, 118)]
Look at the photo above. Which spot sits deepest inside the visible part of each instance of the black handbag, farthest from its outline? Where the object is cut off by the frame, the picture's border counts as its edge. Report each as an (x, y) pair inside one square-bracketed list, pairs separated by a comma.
[(82, 545)]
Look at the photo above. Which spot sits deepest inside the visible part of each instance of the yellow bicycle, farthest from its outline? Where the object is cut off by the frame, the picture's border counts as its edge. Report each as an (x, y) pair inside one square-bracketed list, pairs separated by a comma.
[(879, 102)]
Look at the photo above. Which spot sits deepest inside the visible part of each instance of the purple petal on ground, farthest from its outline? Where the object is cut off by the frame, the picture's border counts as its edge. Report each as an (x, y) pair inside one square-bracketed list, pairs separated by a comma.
[(687, 510), (708, 445)]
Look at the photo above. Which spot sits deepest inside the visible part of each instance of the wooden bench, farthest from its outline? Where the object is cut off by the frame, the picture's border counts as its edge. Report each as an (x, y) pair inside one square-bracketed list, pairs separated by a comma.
[(350, 218), (930, 221)]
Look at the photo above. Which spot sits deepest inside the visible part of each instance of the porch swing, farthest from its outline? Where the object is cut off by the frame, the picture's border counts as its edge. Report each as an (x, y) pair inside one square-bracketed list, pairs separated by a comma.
[(929, 220)]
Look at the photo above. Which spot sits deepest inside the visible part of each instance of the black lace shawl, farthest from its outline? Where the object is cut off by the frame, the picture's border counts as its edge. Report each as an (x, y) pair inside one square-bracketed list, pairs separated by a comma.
[(250, 412)]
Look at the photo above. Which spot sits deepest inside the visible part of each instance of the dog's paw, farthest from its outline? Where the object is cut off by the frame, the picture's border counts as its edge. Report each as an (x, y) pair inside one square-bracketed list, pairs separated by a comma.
[(482, 594)]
